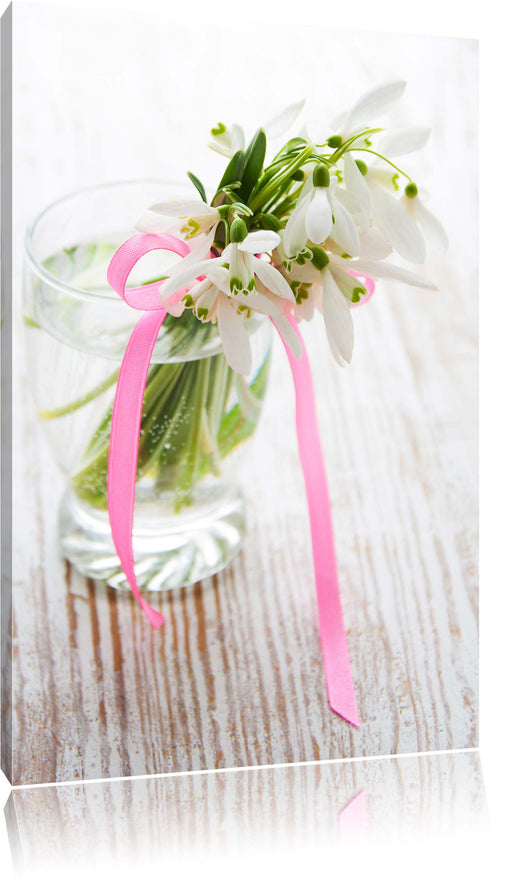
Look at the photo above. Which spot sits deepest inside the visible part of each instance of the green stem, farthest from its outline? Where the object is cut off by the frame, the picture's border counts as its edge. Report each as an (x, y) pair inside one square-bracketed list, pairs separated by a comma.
[(83, 400), (367, 150)]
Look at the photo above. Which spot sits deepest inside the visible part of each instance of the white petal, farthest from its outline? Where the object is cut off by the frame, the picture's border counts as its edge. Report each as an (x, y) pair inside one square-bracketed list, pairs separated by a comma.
[(171, 299), (306, 309), (272, 279), (201, 251), (237, 138), (338, 320), (185, 208), (279, 124), (372, 105), (403, 141), (220, 277), (381, 270), (260, 241), (319, 216), (294, 235), (432, 229), (304, 272), (348, 200), (259, 302), (223, 149), (357, 186), (374, 246), (234, 337), (239, 267), (338, 123), (344, 231), (151, 222), (396, 224), (289, 335), (184, 273)]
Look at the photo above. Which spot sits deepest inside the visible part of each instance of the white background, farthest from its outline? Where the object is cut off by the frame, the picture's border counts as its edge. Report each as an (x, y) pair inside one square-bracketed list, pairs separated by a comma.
[(422, 859)]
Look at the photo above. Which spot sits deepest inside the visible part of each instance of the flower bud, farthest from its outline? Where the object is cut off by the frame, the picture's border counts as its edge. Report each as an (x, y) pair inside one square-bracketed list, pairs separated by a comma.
[(411, 190), (270, 222), (363, 168), (334, 141)]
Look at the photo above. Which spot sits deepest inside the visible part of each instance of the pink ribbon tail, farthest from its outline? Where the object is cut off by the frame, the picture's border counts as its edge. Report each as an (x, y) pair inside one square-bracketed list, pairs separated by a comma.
[(124, 447), (340, 686), (129, 398)]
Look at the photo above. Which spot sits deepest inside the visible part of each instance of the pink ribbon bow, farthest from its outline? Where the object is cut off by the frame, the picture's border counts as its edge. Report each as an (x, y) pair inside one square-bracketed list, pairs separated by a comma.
[(124, 447)]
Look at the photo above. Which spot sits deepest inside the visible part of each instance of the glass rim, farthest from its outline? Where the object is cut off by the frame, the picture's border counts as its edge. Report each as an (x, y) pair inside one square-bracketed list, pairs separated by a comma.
[(36, 265)]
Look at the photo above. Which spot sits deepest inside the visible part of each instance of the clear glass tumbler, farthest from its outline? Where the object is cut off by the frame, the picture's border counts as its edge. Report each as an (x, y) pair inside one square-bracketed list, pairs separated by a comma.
[(197, 416)]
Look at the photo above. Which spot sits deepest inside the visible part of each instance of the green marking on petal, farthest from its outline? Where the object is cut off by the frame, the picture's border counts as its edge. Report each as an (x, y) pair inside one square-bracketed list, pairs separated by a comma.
[(395, 181), (319, 258), (221, 128), (235, 285), (357, 294)]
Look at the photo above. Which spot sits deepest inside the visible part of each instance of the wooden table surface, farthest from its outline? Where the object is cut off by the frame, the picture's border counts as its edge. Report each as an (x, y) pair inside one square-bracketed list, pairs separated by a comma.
[(236, 677)]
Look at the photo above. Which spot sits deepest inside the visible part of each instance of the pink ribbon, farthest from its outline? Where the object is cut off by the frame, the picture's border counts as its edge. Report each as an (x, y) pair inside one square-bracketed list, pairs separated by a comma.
[(124, 448), (127, 409), (333, 638)]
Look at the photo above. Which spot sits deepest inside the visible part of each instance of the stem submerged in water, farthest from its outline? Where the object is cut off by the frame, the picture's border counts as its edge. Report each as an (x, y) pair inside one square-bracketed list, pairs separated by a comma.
[(188, 426)]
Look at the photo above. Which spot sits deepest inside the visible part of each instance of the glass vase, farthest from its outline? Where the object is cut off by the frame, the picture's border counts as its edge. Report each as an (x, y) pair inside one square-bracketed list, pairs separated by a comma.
[(198, 414)]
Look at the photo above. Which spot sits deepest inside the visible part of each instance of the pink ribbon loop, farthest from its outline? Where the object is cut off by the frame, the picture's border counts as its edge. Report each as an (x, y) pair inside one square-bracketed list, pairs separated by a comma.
[(129, 398)]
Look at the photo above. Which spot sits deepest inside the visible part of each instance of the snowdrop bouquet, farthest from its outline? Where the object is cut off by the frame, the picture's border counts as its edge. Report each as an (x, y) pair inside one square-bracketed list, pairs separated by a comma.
[(299, 234), (307, 230)]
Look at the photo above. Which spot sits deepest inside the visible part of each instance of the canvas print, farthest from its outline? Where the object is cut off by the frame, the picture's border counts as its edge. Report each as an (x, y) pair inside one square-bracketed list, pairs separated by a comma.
[(244, 397)]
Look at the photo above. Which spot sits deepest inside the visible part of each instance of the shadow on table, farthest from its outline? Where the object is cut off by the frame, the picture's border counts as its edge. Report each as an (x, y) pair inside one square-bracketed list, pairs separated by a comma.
[(290, 807)]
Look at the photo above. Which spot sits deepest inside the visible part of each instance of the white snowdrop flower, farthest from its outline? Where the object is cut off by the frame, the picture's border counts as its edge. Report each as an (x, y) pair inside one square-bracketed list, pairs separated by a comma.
[(395, 224), (188, 217), (403, 141), (227, 140), (430, 226), (227, 289), (319, 214), (245, 267), (369, 107)]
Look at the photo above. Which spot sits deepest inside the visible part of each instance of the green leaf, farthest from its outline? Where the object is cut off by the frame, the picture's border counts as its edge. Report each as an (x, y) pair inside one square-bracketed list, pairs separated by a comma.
[(233, 171), (254, 159), (198, 185)]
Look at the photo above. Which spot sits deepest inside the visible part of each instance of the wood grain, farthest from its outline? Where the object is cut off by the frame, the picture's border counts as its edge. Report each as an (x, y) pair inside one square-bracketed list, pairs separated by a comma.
[(236, 677), (292, 808)]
